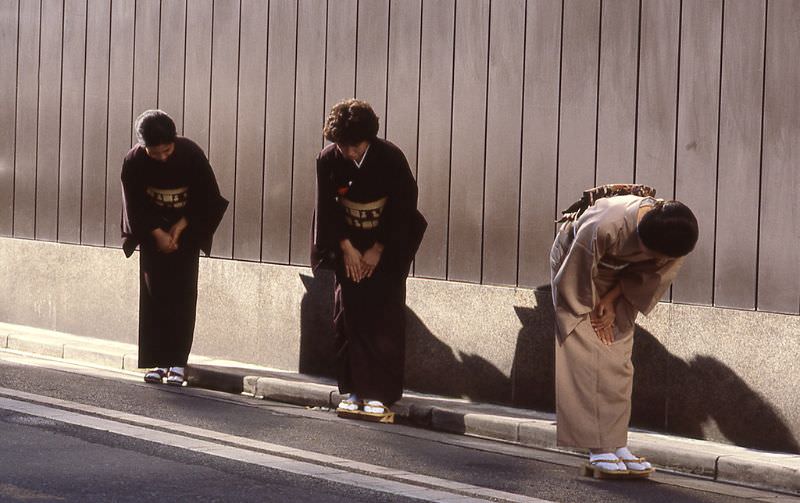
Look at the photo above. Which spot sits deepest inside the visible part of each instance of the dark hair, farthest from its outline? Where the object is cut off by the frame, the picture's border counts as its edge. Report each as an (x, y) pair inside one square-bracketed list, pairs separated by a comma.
[(155, 127), (669, 228), (351, 122)]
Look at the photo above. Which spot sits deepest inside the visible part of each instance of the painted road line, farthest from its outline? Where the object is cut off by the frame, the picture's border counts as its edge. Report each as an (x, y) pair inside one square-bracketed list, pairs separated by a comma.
[(246, 450)]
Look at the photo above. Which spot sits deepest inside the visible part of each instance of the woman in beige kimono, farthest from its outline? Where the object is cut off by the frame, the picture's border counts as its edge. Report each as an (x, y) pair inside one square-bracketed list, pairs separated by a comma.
[(614, 261)]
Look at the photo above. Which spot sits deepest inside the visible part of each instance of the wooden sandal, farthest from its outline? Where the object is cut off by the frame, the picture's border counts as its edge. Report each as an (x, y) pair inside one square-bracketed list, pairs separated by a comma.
[(375, 407), (637, 473), (591, 469), (175, 377), (155, 376), (349, 405)]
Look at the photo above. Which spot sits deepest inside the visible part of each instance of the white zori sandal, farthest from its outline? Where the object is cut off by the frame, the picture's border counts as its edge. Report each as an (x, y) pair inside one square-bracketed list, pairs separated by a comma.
[(605, 465), (176, 376), (375, 407), (351, 403), (635, 465), (155, 375)]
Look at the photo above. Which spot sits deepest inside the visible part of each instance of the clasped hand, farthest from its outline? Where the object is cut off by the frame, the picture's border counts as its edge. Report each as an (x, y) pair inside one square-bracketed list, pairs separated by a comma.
[(167, 242), (357, 265), (602, 318)]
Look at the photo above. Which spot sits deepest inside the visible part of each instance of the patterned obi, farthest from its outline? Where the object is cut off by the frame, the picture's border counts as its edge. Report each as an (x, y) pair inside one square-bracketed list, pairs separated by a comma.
[(363, 215), (169, 198)]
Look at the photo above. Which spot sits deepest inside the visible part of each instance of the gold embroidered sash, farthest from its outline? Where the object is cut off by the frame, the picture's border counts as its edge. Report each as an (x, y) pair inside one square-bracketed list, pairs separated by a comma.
[(169, 198), (363, 215)]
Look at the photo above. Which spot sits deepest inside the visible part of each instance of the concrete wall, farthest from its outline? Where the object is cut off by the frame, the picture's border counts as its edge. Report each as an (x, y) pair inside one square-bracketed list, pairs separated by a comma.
[(703, 372)]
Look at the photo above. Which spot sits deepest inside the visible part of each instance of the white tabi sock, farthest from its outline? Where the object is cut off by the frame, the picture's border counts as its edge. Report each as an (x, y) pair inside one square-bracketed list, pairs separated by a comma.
[(611, 463), (631, 461), (374, 407)]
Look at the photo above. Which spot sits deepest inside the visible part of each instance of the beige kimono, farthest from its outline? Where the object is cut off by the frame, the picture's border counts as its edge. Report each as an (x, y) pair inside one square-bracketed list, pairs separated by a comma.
[(589, 257)]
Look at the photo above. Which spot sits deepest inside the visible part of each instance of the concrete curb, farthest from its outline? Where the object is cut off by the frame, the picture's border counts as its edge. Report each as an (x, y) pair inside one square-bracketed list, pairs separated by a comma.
[(773, 471), (722, 462)]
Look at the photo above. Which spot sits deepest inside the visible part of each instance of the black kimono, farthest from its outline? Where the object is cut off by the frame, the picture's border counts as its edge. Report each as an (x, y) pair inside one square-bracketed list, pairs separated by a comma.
[(157, 195), (374, 203)]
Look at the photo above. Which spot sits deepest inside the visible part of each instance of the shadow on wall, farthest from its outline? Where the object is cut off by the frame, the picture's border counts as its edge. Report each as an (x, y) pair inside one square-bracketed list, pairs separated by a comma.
[(316, 325), (669, 394)]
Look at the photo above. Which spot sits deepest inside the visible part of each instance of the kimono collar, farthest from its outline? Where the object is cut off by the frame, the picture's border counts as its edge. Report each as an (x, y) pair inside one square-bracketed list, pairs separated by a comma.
[(363, 157), (632, 223)]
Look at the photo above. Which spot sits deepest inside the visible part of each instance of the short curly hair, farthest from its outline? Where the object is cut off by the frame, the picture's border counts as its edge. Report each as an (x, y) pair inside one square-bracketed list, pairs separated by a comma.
[(669, 228), (351, 122)]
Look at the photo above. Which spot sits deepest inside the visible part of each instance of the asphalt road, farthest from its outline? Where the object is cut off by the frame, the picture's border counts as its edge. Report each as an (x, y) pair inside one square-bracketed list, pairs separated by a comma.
[(71, 433)]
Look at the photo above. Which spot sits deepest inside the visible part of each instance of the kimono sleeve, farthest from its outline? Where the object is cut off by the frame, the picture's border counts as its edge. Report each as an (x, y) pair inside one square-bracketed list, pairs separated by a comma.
[(206, 206), (138, 219), (328, 226), (643, 285), (401, 226), (574, 280)]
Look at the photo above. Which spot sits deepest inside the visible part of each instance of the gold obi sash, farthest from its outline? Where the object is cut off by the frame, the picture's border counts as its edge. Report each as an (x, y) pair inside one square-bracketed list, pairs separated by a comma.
[(169, 198), (363, 215)]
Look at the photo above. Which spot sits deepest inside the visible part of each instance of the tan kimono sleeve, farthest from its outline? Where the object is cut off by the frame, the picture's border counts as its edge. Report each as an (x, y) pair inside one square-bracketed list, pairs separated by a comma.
[(644, 284), (575, 293)]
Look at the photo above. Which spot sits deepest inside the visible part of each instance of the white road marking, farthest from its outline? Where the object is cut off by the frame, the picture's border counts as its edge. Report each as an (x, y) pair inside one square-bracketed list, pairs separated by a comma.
[(278, 457)]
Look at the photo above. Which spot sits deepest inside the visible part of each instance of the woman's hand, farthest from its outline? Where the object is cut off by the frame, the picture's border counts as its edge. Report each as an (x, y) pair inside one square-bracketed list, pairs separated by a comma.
[(352, 261), (604, 314), (177, 229), (606, 335), (370, 259), (164, 241)]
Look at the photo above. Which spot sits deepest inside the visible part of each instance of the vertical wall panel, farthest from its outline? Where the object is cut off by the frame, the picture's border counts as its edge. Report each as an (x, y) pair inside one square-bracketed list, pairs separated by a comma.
[(197, 85), (578, 99), (658, 96), (433, 171), (95, 123), (616, 120), (502, 125), (171, 60), (120, 104), (658, 84), (250, 139), (539, 141), (277, 204), (779, 257), (340, 52), (739, 149), (503, 142), (27, 123), (49, 120), (145, 59), (372, 55), (309, 114), (8, 103), (698, 121), (403, 85), (71, 150), (222, 143), (469, 140)]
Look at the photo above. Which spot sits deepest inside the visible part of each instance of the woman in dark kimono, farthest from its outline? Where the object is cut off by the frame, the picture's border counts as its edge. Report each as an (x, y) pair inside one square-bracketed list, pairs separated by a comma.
[(367, 228), (171, 208)]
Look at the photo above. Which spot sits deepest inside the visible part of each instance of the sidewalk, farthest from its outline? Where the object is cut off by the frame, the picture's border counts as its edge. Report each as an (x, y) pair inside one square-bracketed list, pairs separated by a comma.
[(776, 471)]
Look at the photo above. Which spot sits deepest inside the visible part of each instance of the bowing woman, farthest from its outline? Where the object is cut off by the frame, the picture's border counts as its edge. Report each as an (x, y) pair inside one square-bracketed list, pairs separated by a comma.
[(367, 229), (171, 208), (616, 260)]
